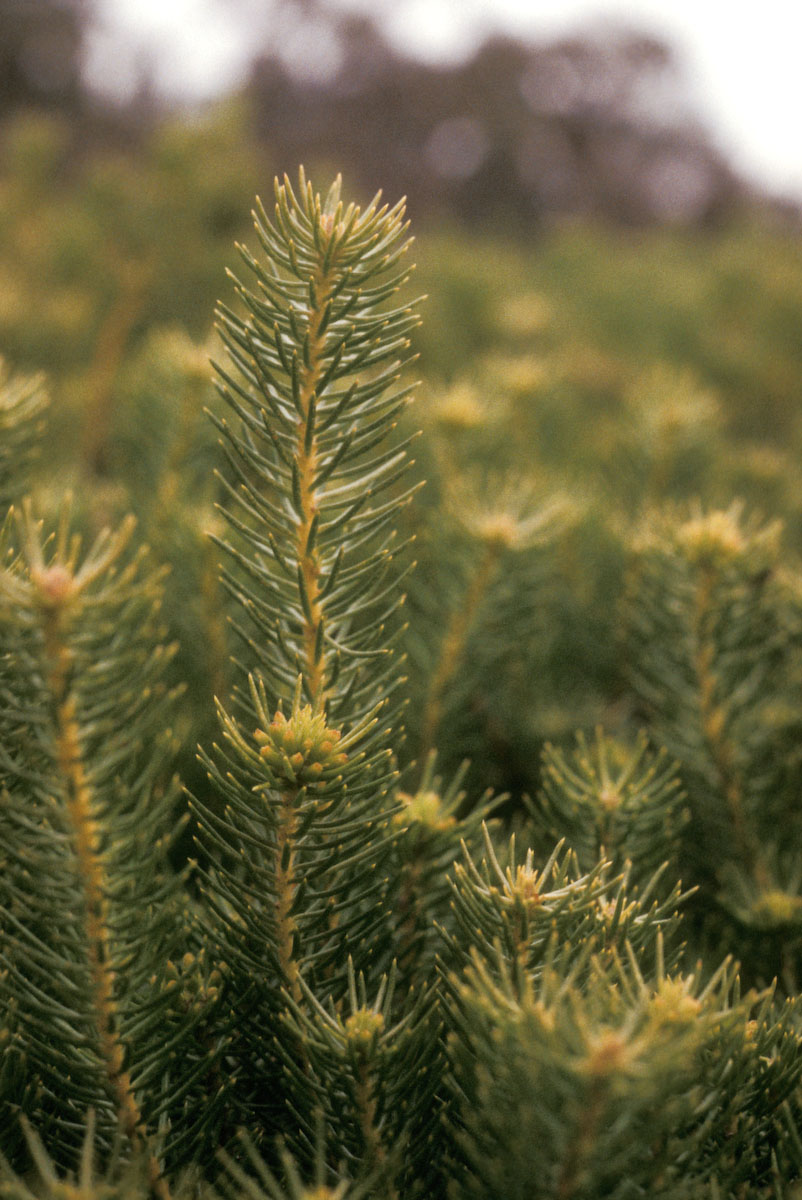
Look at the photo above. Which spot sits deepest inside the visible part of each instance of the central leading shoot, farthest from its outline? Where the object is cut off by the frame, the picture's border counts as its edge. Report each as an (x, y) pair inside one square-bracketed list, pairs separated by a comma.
[(315, 486)]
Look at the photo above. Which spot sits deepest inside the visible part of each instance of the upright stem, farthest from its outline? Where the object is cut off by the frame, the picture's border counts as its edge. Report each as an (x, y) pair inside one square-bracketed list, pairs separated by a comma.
[(453, 647), (712, 717), (81, 808), (366, 1108), (90, 866), (314, 658), (109, 351), (412, 919), (285, 893), (576, 1158), (307, 463), (167, 493), (214, 619)]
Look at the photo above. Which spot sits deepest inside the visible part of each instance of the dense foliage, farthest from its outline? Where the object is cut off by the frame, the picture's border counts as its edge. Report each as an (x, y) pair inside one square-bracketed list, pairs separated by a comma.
[(485, 880)]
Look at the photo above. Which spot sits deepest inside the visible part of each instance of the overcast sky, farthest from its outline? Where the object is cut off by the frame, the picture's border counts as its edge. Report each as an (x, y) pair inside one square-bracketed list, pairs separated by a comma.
[(742, 61)]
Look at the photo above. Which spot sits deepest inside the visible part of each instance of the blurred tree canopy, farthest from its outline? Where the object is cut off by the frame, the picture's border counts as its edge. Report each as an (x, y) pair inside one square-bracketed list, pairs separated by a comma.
[(595, 125)]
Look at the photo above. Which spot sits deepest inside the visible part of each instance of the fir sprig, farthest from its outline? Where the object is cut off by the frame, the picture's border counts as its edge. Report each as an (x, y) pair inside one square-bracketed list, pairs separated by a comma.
[(298, 855), (523, 917), (714, 650), (318, 362), (618, 1086), (611, 801), (87, 804), (370, 973)]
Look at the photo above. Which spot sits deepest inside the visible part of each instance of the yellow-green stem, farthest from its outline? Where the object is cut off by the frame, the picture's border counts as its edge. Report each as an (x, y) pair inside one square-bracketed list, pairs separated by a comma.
[(453, 647), (375, 1154), (87, 837), (214, 619), (109, 352), (411, 916), (577, 1154), (713, 724), (521, 949), (167, 493), (307, 463), (80, 807), (285, 892), (313, 662)]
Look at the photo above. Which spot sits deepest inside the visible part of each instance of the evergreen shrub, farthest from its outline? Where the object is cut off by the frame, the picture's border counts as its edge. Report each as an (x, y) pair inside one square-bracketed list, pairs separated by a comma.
[(334, 964)]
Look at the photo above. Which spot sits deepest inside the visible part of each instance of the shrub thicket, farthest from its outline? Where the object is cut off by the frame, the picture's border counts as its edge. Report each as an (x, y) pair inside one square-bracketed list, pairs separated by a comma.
[(400, 926)]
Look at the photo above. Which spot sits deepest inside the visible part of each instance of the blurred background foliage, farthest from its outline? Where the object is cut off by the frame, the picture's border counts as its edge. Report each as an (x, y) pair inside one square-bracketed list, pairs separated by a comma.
[(612, 327)]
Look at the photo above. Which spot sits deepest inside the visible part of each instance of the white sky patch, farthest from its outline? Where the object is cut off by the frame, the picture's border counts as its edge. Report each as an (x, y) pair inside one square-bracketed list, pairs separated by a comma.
[(191, 48), (741, 61)]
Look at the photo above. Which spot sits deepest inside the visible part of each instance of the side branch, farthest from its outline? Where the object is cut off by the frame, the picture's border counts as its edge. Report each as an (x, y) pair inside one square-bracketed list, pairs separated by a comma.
[(453, 647), (285, 893), (56, 587), (713, 723)]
